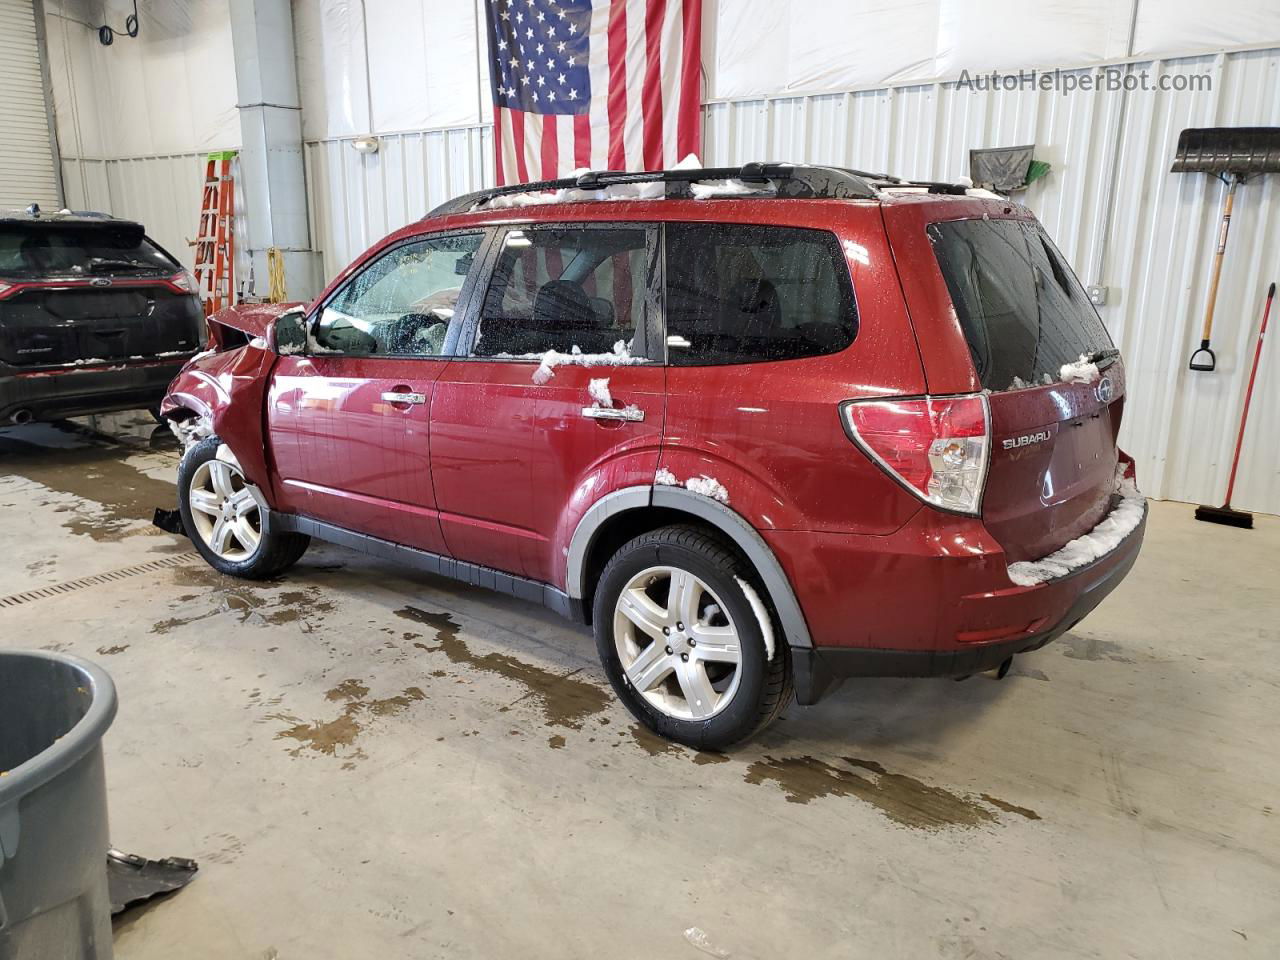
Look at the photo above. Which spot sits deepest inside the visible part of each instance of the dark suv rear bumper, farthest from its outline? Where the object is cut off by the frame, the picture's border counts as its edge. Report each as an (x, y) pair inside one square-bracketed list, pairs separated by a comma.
[(53, 393), (820, 670)]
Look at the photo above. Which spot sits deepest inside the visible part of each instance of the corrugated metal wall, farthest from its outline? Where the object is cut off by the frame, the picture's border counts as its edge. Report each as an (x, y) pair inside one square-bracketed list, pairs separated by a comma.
[(162, 192), (1151, 246)]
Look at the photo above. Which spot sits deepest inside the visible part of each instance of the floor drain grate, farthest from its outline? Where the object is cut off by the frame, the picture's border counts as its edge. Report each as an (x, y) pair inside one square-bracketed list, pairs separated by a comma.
[(43, 593)]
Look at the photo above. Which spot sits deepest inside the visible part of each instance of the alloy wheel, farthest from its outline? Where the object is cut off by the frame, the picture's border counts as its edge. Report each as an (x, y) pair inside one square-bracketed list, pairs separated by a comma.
[(677, 644), (224, 511)]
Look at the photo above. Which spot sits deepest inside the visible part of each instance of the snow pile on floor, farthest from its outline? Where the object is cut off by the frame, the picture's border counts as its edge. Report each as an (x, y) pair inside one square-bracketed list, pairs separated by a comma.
[(620, 357), (666, 478), (762, 616), (1082, 371), (599, 391), (1097, 543), (707, 487)]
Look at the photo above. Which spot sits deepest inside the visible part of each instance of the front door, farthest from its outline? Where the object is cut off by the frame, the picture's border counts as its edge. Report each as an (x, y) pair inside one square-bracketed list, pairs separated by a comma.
[(559, 398), (348, 418)]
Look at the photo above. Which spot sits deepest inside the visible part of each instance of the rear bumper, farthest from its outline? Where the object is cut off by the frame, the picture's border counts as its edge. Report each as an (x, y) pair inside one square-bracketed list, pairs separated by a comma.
[(52, 393), (958, 647)]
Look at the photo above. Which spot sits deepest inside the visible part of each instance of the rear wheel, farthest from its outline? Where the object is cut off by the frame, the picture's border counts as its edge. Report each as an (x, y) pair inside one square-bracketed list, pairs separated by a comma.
[(224, 518), (682, 642)]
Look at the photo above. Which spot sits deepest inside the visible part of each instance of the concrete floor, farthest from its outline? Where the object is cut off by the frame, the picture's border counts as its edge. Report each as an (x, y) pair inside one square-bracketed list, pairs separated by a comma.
[(373, 763)]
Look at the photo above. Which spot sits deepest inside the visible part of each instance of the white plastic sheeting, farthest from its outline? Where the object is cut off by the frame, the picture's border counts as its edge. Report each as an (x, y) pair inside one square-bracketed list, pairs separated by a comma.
[(170, 90), (773, 46), (394, 65)]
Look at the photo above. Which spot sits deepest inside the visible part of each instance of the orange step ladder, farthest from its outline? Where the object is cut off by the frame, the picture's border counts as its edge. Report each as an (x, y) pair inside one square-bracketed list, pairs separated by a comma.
[(215, 242)]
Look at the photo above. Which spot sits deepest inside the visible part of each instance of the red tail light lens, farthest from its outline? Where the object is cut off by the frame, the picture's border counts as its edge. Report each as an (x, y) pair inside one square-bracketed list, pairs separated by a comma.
[(936, 447), (182, 282), (8, 289)]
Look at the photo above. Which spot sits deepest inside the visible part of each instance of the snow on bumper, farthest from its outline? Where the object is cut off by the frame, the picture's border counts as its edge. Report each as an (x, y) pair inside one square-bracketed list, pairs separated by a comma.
[(1094, 545)]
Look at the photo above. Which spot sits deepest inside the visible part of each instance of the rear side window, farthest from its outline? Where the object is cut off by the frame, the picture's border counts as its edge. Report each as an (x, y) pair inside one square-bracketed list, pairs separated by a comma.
[(1023, 312), (566, 289), (41, 249), (743, 294)]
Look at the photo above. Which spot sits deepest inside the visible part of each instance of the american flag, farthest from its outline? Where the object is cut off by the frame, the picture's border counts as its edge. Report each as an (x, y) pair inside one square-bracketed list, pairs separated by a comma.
[(599, 84)]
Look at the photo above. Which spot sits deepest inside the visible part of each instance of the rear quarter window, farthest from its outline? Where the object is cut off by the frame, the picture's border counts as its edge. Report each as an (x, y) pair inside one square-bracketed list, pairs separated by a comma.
[(744, 294), (1023, 312)]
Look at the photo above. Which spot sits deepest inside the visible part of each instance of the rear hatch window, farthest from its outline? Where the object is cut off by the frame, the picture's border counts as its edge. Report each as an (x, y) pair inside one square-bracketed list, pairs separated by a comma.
[(89, 292), (1025, 315), (31, 251), (1023, 312)]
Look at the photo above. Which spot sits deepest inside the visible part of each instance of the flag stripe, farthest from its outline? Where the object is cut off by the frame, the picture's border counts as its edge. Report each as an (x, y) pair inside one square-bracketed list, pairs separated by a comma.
[(582, 141), (689, 135), (550, 147), (672, 54), (497, 145), (517, 145), (651, 112), (617, 84)]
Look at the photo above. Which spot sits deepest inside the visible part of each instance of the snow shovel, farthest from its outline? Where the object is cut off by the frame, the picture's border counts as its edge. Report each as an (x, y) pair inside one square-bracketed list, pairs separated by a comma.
[(1224, 514), (1233, 155)]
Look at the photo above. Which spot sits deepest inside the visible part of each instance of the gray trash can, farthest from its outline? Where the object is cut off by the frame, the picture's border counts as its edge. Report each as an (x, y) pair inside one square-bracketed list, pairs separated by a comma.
[(54, 711)]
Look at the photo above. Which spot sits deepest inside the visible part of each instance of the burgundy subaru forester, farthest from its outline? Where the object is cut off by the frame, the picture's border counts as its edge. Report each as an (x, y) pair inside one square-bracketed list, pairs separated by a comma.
[(763, 428)]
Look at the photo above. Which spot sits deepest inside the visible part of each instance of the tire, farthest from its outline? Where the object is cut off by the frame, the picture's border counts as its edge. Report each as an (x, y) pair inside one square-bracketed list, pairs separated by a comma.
[(666, 678), (244, 555)]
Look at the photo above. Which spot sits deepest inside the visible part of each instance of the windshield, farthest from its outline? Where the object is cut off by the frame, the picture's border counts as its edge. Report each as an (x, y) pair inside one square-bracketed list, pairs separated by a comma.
[(44, 250), (1023, 311)]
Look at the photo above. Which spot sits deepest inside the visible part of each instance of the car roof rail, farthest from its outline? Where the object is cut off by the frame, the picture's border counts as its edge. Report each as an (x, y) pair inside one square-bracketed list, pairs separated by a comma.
[(796, 181)]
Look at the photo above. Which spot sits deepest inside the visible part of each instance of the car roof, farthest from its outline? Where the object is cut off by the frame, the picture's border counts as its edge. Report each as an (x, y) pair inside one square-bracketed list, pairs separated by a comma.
[(81, 218)]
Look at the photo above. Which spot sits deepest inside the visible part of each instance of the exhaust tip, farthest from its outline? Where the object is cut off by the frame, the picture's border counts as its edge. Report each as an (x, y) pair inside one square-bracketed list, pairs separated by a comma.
[(22, 416)]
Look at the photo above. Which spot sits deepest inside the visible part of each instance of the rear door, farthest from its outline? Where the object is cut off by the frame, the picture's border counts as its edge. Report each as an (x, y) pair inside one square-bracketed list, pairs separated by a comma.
[(348, 418), (85, 292), (1022, 318), (521, 445)]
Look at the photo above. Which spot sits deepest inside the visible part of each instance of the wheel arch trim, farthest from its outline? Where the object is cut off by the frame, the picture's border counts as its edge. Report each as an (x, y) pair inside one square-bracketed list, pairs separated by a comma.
[(729, 522)]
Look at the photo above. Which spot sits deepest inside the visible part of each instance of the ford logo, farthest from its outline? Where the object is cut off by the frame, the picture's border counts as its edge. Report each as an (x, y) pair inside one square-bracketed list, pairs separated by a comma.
[(1105, 391), (100, 282)]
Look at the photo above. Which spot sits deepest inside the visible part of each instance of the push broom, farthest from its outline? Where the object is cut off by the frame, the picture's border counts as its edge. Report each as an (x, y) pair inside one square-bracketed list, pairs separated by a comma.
[(1233, 155), (1225, 513)]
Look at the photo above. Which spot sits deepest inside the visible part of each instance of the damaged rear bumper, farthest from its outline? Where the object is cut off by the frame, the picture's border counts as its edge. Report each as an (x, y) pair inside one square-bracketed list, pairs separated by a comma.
[(1048, 609)]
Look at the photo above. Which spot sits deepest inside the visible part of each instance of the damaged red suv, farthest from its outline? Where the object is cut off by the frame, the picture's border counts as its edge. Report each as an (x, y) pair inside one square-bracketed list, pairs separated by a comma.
[(763, 428)]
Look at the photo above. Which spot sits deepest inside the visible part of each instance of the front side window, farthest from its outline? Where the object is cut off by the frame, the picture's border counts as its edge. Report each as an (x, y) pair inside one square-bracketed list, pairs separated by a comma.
[(743, 294), (402, 303), (566, 289)]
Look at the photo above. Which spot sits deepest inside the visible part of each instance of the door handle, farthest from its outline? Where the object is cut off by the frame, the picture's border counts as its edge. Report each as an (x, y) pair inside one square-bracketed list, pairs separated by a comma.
[(634, 414), (392, 397)]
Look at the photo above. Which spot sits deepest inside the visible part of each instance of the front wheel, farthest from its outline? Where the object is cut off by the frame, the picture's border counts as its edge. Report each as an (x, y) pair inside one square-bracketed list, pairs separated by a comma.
[(224, 517), (682, 636)]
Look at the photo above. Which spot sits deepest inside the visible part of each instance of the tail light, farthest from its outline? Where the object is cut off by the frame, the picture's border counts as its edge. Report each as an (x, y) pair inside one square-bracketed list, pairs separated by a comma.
[(182, 282), (936, 447), (8, 289)]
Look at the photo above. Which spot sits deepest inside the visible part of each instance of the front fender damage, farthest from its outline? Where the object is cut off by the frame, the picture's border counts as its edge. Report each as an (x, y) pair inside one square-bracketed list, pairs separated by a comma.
[(221, 395)]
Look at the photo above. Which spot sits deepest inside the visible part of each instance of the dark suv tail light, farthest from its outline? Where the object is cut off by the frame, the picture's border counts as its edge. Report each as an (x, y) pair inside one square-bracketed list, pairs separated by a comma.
[(936, 447)]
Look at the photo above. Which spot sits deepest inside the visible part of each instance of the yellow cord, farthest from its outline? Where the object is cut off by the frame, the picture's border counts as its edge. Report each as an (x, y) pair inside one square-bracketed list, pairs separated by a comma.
[(275, 276)]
